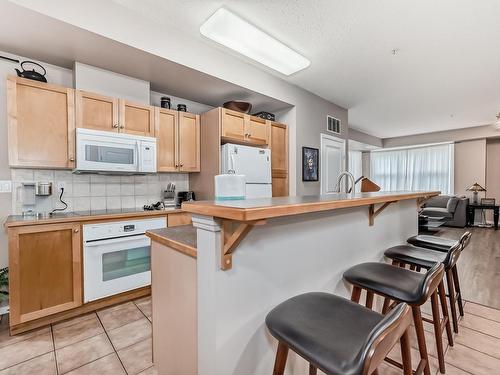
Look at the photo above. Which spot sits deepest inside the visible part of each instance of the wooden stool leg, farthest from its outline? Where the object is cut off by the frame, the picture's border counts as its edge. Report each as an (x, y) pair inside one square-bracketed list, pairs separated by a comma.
[(312, 370), (456, 281), (419, 329), (369, 299), (406, 353), (446, 315), (356, 294), (385, 307), (280, 361), (437, 331), (453, 302)]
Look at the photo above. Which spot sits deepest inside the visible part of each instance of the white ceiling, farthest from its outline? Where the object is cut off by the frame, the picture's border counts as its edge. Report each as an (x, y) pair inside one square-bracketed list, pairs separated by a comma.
[(444, 75)]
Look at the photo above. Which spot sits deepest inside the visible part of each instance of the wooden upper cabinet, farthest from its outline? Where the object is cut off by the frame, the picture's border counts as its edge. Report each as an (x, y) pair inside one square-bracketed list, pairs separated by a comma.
[(189, 142), (257, 130), (98, 112), (41, 124), (244, 129), (279, 159), (233, 125), (45, 270), (166, 140), (137, 119), (178, 141)]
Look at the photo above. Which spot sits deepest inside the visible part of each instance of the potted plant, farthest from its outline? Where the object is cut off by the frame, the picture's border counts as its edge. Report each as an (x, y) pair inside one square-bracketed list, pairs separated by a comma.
[(4, 287)]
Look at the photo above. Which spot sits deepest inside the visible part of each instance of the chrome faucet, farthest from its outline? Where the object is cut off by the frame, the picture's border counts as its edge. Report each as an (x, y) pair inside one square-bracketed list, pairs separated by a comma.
[(339, 180)]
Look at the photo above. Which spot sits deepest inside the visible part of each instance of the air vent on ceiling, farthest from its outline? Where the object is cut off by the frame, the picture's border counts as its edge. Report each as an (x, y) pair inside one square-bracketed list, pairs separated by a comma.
[(333, 125)]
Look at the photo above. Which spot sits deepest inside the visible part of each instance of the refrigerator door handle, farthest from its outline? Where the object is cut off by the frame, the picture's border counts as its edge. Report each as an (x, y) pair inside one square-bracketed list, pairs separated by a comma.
[(232, 169)]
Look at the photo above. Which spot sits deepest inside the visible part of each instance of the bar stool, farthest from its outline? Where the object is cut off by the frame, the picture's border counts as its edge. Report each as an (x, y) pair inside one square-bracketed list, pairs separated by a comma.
[(419, 257), (402, 285), (338, 336), (444, 245)]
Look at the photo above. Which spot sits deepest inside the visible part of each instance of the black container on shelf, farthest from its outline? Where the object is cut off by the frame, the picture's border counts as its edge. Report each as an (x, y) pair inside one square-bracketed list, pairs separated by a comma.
[(265, 115), (182, 107), (165, 102)]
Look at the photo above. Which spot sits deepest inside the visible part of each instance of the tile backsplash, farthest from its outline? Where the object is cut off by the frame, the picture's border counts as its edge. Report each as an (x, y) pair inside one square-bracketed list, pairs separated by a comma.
[(83, 192)]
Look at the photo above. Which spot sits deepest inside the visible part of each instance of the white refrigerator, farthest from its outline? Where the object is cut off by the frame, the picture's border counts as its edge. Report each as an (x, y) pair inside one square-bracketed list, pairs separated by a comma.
[(252, 162)]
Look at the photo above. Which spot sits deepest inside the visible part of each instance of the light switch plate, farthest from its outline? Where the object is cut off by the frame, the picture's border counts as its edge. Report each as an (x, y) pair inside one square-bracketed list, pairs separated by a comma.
[(5, 186)]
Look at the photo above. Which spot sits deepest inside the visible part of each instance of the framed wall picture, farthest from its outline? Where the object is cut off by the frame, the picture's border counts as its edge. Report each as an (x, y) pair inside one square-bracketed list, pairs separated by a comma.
[(310, 164)]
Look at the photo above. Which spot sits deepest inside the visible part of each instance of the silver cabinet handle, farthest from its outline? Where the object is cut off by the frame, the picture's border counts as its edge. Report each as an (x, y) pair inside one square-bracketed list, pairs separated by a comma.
[(71, 158), (77, 230), (122, 126), (115, 126)]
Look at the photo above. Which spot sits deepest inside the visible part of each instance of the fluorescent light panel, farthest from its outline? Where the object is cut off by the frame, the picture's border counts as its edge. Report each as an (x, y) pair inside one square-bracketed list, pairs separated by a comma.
[(237, 34)]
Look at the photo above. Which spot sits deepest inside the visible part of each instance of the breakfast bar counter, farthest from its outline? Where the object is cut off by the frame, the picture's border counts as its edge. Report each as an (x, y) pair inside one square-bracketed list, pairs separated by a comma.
[(209, 310)]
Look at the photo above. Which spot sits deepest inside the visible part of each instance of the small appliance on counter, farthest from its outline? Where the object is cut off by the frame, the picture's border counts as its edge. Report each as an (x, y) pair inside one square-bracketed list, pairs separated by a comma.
[(184, 196), (230, 186)]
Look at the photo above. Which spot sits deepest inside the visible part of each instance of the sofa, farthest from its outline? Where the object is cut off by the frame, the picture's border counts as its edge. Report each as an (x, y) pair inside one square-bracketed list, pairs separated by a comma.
[(452, 208)]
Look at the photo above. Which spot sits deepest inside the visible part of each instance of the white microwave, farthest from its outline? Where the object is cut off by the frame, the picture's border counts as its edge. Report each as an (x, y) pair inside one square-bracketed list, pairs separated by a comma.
[(107, 152)]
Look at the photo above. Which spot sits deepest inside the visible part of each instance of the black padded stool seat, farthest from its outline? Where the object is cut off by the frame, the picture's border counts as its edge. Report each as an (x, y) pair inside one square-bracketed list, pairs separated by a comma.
[(433, 242), (418, 256), (330, 332), (397, 283)]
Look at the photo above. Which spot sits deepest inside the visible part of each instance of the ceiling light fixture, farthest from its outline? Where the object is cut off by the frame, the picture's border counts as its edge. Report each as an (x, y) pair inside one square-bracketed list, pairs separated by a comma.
[(234, 32)]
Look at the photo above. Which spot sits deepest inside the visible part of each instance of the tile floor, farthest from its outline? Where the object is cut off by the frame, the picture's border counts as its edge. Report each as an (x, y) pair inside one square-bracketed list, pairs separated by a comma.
[(117, 340)]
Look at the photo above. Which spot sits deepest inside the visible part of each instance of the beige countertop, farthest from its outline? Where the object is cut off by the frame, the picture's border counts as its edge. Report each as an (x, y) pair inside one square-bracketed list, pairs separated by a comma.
[(181, 238), (265, 208), (81, 216)]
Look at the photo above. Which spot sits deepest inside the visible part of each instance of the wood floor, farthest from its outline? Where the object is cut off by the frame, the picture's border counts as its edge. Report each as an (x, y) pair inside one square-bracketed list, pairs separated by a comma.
[(479, 265)]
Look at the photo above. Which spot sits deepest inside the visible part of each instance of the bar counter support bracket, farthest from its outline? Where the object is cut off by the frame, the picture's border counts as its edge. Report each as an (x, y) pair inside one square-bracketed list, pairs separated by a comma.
[(233, 232), (373, 213)]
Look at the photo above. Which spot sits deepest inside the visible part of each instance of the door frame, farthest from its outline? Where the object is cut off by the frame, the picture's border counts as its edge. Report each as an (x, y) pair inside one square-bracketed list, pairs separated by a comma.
[(327, 137)]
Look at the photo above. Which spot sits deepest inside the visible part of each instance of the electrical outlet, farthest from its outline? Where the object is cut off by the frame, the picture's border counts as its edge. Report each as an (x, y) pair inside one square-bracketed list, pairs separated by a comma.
[(61, 185), (5, 186)]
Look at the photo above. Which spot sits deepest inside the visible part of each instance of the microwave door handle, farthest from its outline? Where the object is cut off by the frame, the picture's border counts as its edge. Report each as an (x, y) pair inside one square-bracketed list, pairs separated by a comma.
[(138, 151), (116, 240)]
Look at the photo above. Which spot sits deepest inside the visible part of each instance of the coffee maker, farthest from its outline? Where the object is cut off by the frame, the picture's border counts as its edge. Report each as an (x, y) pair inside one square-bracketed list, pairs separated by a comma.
[(184, 196)]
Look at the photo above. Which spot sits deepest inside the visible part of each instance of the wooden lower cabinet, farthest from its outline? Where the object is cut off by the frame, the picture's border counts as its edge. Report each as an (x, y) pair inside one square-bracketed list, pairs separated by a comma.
[(45, 268)]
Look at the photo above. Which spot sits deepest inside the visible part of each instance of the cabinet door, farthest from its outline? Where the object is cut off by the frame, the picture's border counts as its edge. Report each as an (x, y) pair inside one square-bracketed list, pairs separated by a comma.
[(166, 140), (257, 130), (44, 270), (279, 159), (233, 125), (189, 142), (41, 124), (137, 119), (98, 112)]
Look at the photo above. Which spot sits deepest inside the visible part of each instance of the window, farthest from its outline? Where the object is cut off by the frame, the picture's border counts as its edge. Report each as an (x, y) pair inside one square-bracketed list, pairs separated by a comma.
[(418, 168), (356, 166)]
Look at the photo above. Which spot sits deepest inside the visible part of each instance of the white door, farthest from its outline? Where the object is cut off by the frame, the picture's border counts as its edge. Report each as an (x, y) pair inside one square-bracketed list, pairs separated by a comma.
[(332, 162)]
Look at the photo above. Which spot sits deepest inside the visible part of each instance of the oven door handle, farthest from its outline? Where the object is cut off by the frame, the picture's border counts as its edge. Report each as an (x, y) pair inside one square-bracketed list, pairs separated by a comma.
[(115, 240)]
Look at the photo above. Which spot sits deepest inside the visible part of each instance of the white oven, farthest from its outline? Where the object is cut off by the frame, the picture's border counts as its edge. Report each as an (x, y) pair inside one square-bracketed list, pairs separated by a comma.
[(116, 257), (101, 151)]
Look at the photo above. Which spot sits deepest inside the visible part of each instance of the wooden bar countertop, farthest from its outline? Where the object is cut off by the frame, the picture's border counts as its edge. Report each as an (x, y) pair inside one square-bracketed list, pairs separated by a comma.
[(181, 238), (266, 208)]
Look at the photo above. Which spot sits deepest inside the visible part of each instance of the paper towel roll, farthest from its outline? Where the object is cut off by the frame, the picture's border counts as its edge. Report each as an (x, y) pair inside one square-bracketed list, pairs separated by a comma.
[(230, 187)]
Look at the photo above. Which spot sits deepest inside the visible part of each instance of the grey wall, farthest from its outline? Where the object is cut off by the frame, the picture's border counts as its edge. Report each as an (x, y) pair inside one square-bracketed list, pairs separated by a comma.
[(478, 132), (359, 136)]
